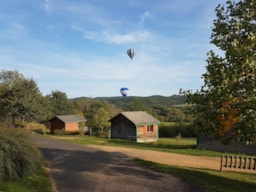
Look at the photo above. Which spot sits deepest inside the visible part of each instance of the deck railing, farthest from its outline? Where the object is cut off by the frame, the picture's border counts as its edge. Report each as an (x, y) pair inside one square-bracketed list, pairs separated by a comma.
[(237, 162)]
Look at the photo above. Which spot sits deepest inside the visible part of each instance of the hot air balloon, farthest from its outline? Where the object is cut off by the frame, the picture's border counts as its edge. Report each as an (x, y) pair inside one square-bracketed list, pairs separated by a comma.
[(131, 53), (124, 91)]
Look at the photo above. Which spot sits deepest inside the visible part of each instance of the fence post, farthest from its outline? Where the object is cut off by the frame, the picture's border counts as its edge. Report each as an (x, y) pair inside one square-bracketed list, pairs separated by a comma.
[(237, 162), (245, 162), (240, 163), (221, 161), (235, 157)]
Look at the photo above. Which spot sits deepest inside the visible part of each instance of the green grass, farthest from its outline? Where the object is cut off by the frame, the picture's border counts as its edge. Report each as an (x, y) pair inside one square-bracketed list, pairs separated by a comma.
[(186, 146), (209, 180), (40, 181)]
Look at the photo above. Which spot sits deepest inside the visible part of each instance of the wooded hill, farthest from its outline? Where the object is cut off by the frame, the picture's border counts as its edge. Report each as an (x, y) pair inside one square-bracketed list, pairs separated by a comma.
[(166, 109), (172, 111), (150, 101)]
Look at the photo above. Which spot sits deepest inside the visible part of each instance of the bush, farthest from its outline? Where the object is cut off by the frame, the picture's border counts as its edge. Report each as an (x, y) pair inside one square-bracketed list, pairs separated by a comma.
[(102, 134), (37, 127), (19, 156), (186, 130), (63, 132)]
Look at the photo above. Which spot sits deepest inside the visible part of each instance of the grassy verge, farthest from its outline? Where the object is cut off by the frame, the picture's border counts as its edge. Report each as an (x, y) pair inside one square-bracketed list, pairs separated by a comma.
[(212, 181), (185, 146), (40, 181)]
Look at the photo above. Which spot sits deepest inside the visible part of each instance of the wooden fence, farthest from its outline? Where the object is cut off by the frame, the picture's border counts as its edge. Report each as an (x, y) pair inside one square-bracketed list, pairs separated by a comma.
[(237, 162)]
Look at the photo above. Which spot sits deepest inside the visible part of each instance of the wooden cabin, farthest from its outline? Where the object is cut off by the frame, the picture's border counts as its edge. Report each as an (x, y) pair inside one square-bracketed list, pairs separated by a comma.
[(138, 126)]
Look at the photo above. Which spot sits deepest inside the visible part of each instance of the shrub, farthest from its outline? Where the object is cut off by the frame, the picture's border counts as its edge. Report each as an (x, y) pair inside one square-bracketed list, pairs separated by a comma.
[(33, 126), (166, 131), (102, 134), (19, 156), (63, 132), (186, 130)]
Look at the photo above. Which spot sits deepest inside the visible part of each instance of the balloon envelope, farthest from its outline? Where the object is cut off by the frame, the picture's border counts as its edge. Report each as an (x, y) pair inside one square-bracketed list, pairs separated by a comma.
[(124, 91), (131, 53)]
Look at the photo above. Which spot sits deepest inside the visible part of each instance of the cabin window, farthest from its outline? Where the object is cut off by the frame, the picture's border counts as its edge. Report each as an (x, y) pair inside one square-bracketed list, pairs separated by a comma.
[(150, 128)]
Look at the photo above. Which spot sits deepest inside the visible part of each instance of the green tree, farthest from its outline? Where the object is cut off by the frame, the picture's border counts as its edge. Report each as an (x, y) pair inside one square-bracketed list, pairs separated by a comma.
[(98, 115), (225, 106), (59, 103), (20, 98)]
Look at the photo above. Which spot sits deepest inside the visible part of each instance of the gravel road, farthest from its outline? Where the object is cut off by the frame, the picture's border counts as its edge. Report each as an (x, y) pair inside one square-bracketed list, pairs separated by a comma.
[(76, 168)]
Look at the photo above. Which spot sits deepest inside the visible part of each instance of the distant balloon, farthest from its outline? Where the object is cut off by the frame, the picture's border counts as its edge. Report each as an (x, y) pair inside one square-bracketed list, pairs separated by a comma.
[(124, 91), (131, 53)]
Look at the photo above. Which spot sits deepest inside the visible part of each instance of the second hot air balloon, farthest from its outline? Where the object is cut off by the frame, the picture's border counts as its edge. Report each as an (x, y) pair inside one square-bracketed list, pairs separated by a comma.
[(131, 53), (124, 91)]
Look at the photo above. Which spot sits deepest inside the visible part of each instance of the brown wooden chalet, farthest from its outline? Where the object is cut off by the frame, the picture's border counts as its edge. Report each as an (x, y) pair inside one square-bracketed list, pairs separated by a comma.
[(69, 123), (135, 125)]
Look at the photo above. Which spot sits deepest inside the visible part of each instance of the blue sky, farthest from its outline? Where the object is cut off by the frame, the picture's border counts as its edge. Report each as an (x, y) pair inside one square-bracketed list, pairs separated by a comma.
[(79, 46)]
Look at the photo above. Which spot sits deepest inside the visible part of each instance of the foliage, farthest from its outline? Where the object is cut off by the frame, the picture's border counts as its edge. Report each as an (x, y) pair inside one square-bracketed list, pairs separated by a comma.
[(101, 134), (20, 98), (63, 132), (226, 104), (98, 115), (33, 126), (185, 129), (39, 181), (146, 101), (19, 157), (59, 103), (163, 108), (21, 103)]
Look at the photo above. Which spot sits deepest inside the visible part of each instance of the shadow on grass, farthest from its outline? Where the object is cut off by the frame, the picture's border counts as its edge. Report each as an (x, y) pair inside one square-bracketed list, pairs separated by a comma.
[(212, 181)]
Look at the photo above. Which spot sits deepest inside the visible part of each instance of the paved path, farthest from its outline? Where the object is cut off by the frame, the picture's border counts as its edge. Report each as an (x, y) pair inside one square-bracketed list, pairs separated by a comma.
[(76, 168), (167, 158)]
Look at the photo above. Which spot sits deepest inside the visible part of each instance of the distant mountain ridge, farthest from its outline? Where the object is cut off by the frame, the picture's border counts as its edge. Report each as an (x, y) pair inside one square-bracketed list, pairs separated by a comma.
[(154, 100)]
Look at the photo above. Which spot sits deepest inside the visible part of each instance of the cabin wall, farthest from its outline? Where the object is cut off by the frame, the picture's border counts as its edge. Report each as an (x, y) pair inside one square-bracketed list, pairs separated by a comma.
[(121, 128), (72, 127), (56, 124), (147, 133)]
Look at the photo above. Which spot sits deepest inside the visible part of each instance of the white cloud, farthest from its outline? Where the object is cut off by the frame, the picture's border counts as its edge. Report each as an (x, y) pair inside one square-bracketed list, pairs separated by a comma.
[(113, 36), (13, 31), (133, 37), (143, 17), (47, 6)]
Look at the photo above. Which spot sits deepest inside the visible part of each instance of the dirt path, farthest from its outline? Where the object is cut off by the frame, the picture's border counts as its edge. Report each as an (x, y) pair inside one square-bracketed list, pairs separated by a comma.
[(80, 168), (166, 158), (212, 163)]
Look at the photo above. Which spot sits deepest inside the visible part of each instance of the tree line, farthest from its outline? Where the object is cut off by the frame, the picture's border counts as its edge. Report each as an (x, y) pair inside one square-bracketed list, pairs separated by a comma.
[(22, 102)]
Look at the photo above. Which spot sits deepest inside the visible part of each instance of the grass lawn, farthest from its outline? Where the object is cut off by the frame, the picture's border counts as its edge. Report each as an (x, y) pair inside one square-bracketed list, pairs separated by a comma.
[(37, 182), (212, 181), (185, 146)]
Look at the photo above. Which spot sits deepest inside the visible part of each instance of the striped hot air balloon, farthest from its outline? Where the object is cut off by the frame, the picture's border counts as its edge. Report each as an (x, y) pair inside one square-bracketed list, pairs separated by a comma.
[(131, 53)]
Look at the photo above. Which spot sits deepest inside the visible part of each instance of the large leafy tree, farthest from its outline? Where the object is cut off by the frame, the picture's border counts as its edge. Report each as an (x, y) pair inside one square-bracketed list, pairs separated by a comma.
[(20, 98), (225, 106), (59, 103), (98, 115)]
